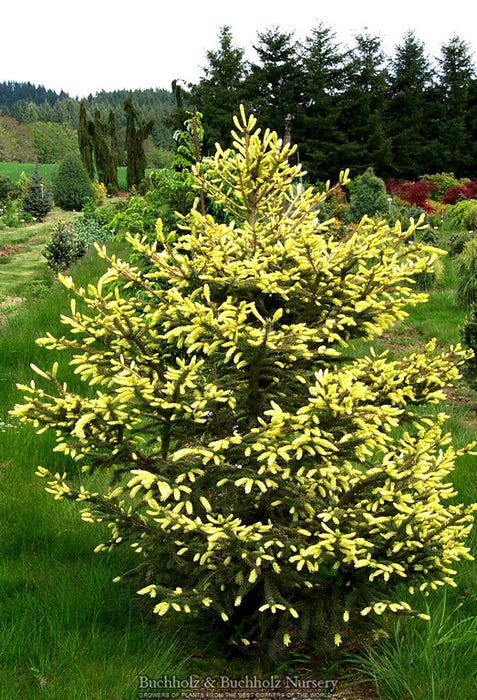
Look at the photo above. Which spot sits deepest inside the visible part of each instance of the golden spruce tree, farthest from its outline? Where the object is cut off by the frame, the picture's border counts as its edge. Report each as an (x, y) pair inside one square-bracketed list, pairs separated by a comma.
[(259, 468)]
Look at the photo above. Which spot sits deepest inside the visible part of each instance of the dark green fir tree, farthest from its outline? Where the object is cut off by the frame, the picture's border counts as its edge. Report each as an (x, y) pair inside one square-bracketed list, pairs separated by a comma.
[(85, 140), (113, 184), (37, 200), (135, 137)]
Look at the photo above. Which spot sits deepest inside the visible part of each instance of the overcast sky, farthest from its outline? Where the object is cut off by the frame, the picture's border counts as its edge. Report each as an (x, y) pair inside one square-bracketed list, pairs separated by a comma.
[(87, 46)]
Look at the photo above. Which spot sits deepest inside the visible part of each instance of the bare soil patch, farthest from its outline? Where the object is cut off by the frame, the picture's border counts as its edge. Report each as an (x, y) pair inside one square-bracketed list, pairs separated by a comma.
[(7, 304), (8, 250)]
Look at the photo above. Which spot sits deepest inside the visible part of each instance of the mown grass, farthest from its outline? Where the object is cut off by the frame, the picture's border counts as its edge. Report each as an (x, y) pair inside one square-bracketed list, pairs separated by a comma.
[(26, 269), (14, 170), (66, 630)]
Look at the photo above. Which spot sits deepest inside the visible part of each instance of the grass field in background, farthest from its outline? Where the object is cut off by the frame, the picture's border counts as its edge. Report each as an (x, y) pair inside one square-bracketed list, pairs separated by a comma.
[(67, 631), (47, 172), (14, 170)]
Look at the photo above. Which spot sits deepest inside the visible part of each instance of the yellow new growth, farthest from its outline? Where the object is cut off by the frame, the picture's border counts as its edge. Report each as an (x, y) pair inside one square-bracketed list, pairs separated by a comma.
[(234, 445)]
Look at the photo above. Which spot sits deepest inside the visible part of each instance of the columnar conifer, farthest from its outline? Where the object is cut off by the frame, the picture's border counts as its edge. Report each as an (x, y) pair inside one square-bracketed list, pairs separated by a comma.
[(113, 184), (259, 470), (135, 137), (85, 140), (102, 156)]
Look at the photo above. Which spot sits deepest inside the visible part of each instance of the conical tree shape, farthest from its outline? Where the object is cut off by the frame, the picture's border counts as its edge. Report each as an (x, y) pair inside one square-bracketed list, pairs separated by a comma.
[(258, 471), (102, 154), (37, 199)]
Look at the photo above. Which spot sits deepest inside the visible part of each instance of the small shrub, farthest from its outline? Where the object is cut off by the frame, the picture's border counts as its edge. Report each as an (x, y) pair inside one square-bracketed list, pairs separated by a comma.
[(415, 193), (457, 242), (466, 290), (404, 213), (23, 182), (104, 215), (72, 185), (441, 183), (37, 199), (8, 189), (434, 220), (467, 190), (140, 214), (90, 231), (367, 197), (464, 214), (65, 247), (11, 213), (100, 193)]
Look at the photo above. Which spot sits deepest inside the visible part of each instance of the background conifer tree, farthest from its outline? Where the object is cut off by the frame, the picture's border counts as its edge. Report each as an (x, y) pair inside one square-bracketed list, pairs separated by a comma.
[(220, 90), (85, 140), (37, 199), (72, 186), (102, 156), (135, 137), (113, 184)]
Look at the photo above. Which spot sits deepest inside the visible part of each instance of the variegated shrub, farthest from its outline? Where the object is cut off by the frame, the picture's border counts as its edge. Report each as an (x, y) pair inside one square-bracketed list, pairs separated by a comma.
[(257, 465)]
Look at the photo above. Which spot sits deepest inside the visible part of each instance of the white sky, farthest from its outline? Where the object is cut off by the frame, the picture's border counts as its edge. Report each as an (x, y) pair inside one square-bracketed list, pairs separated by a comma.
[(90, 45)]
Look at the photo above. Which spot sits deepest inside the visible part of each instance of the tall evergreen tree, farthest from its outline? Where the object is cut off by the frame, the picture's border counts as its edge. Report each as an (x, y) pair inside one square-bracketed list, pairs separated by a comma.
[(455, 77), (220, 89), (275, 85), (471, 122), (135, 137), (175, 120), (409, 126), (363, 107), (113, 184), (321, 138), (85, 141), (101, 149)]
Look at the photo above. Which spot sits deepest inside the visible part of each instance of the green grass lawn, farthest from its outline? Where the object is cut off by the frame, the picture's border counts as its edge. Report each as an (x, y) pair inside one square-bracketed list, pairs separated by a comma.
[(14, 170), (26, 269), (47, 172), (66, 630)]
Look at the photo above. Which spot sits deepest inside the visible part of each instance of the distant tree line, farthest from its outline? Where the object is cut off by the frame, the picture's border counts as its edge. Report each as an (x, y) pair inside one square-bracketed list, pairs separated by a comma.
[(403, 115), (12, 92)]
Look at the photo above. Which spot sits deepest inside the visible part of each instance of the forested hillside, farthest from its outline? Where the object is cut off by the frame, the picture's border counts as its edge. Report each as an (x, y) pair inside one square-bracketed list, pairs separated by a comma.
[(39, 125)]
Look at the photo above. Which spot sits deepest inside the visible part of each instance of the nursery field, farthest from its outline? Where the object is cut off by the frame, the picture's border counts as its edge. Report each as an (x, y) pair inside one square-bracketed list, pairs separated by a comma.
[(66, 630), (23, 268)]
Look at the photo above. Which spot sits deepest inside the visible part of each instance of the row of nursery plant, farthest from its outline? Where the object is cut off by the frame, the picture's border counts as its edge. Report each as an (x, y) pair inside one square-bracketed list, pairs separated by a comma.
[(30, 199)]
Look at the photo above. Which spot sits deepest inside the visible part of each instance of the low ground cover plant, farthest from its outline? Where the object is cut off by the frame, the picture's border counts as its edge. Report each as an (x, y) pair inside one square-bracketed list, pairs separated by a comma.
[(259, 470)]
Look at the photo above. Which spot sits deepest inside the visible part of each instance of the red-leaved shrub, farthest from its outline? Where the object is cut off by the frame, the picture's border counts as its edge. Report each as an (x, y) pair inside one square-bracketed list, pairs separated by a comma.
[(458, 192), (415, 193)]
